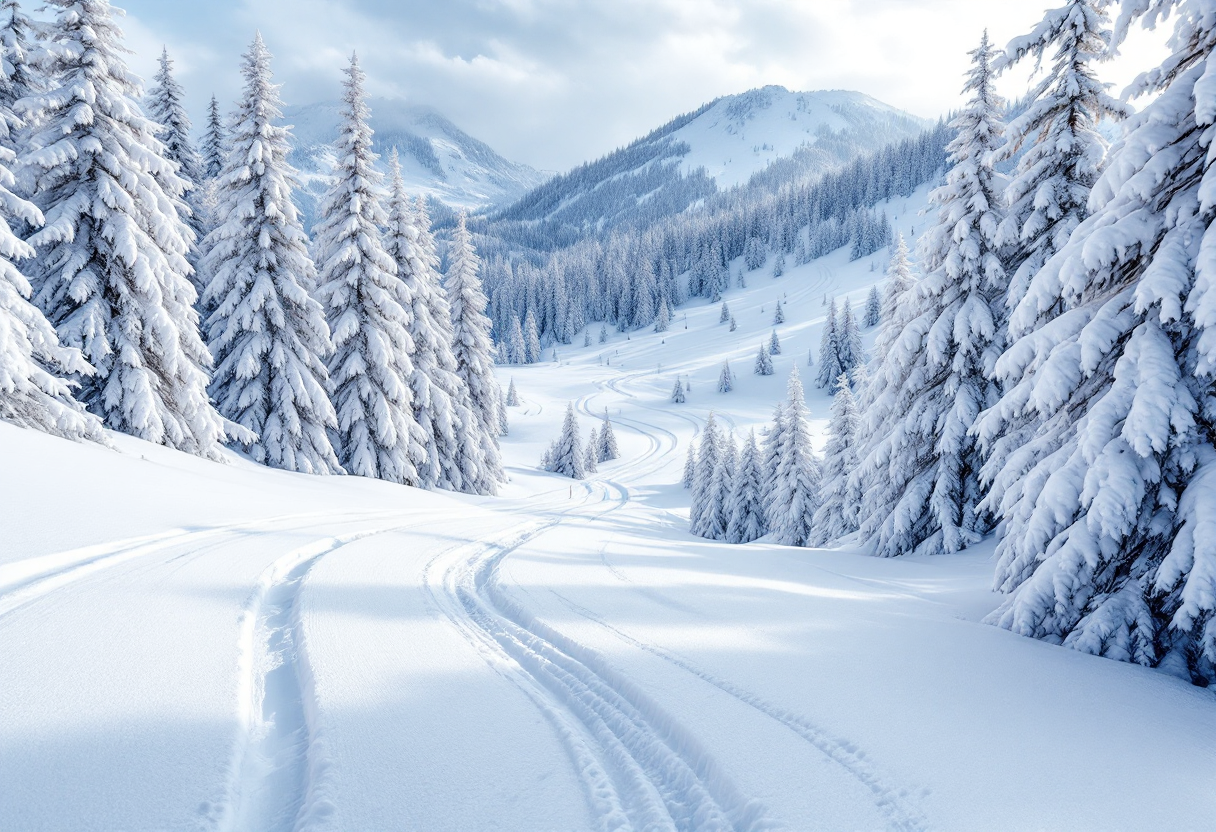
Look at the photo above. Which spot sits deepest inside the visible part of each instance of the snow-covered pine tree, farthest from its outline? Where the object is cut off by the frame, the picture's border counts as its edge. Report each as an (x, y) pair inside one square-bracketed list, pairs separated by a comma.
[(517, 352), (764, 363), (167, 108), (677, 392), (1108, 547), (504, 426), (473, 349), (921, 479), (839, 498), (512, 394), (32, 393), (441, 407), (19, 77), (111, 272), (213, 148), (746, 513), (370, 369), (1047, 196), (726, 379), (723, 486), (531, 339), (774, 344), (793, 494), (895, 300), (591, 456), (661, 324), (733, 325), (779, 264), (603, 333), (851, 352), (724, 315), (873, 307), (268, 335), (690, 466), (829, 352), (586, 337), (608, 449), (779, 315), (709, 450), (567, 457)]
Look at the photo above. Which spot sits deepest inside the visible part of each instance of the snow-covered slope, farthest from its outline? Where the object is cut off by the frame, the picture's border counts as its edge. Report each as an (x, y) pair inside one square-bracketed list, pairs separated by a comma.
[(186, 645), (718, 146), (437, 157)]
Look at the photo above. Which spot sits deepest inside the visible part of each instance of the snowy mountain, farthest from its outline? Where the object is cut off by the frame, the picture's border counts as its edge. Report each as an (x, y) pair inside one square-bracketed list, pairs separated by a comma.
[(437, 157), (723, 144)]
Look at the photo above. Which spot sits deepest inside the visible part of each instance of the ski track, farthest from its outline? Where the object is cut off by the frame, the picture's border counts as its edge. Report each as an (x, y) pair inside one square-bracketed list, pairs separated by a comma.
[(27, 580), (278, 774)]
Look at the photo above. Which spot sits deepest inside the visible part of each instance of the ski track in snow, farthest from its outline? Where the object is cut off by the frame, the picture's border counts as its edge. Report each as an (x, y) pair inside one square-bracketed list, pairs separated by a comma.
[(279, 765)]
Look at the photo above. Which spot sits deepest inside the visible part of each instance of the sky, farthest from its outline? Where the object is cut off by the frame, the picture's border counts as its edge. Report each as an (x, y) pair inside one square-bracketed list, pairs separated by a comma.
[(553, 83)]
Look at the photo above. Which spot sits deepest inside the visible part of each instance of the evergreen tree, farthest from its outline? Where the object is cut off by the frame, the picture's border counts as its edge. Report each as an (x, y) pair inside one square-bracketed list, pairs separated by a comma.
[(370, 369), (512, 395), (829, 352), (603, 333), (214, 142), (677, 392), (733, 325), (504, 426), (586, 337), (849, 346), (774, 344), (269, 336), (517, 353), (608, 449), (662, 322), (922, 491), (764, 364), (793, 495), (746, 514), (450, 429), (839, 497), (779, 265), (567, 456), (1108, 546), (473, 348), (531, 339), (873, 306), (111, 272), (726, 379), (32, 393), (690, 466), (778, 316), (709, 449), (19, 77), (591, 456), (724, 316)]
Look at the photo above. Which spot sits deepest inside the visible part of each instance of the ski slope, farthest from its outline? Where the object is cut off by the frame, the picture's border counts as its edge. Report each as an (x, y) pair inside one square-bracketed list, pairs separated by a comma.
[(186, 645)]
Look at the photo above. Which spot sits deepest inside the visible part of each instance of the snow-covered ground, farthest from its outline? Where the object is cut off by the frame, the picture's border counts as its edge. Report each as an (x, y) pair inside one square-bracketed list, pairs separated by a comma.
[(187, 645)]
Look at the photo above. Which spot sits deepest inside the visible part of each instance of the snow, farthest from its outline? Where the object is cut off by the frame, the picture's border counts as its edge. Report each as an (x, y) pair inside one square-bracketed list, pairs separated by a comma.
[(187, 644)]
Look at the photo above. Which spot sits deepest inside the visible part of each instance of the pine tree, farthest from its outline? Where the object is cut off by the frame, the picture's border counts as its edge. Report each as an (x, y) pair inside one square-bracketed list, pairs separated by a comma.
[(922, 488), (774, 344), (1108, 546), (19, 77), (214, 142), (512, 395), (473, 349), (690, 466), (111, 272), (608, 448), (567, 456), (591, 456), (849, 346), (733, 325), (839, 497), (764, 364), (517, 353), (726, 379), (531, 339), (711, 484), (779, 265), (746, 511), (793, 495), (269, 336), (504, 426), (662, 322), (724, 316), (603, 333), (586, 337), (370, 369), (873, 314), (32, 393), (451, 431), (778, 316), (677, 392), (829, 352)]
